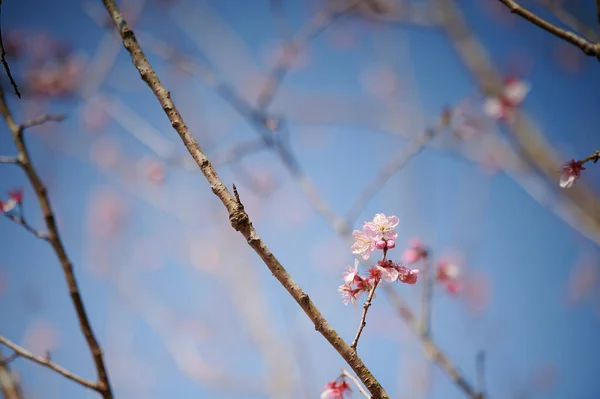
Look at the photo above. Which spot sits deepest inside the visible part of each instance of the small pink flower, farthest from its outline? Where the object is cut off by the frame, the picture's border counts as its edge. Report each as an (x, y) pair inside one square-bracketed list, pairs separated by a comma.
[(570, 173), (351, 273), (380, 244), (364, 243), (390, 244), (415, 252), (349, 294), (408, 276), (390, 272), (336, 390), (383, 227)]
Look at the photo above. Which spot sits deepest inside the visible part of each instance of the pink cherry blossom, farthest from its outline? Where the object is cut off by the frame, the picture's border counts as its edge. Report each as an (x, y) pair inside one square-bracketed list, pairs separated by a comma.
[(415, 252), (351, 273), (408, 276), (380, 244), (390, 272), (570, 173), (336, 390), (383, 226), (390, 244), (365, 243)]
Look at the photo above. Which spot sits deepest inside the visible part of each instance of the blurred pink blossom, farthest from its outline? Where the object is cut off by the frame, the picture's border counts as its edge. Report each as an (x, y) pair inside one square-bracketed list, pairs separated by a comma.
[(504, 106), (415, 252), (337, 389)]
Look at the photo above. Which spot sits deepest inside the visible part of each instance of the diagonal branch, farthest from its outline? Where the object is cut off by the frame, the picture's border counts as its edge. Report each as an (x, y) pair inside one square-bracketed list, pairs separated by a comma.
[(55, 241), (588, 47), (20, 351), (3, 59), (237, 215)]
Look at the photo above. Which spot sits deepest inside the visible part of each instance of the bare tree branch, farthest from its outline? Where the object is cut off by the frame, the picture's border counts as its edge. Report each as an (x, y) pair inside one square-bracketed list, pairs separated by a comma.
[(3, 58), (237, 215), (588, 47), (55, 241), (47, 363), (40, 120)]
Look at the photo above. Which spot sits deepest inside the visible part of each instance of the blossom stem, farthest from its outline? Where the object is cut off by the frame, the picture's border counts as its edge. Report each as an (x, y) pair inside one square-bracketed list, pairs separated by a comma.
[(363, 321), (594, 157), (366, 306)]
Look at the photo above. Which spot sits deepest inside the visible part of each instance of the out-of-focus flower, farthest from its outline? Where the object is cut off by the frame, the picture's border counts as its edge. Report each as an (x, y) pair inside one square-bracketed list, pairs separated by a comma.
[(570, 173), (504, 106), (415, 252), (337, 389), (447, 275)]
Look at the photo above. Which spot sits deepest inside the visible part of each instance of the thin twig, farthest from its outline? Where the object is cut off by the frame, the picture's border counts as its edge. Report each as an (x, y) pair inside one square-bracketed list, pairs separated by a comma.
[(20, 220), (40, 120), (56, 242), (238, 217), (4, 62), (430, 348), (356, 382), (47, 363), (12, 160), (588, 47), (363, 319)]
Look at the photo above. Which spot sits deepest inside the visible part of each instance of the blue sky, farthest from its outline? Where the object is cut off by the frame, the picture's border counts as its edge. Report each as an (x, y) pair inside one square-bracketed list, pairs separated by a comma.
[(154, 299)]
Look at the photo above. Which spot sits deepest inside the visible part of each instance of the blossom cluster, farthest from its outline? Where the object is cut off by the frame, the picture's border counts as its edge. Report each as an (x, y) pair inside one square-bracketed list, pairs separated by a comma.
[(15, 199), (379, 234)]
